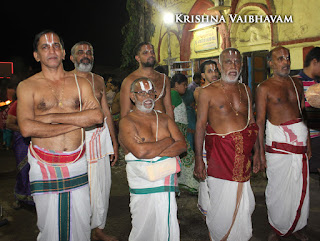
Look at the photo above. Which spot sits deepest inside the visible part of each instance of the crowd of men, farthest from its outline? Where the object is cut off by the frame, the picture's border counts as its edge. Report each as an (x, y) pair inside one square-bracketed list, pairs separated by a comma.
[(74, 143)]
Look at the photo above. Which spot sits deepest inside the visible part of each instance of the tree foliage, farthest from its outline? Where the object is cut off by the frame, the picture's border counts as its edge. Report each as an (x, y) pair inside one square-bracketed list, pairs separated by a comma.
[(139, 28)]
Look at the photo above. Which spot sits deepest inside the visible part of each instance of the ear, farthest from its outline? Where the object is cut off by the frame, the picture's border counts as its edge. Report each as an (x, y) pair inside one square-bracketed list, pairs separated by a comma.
[(203, 76), (64, 54), (36, 56), (132, 97), (219, 67), (71, 58), (137, 58)]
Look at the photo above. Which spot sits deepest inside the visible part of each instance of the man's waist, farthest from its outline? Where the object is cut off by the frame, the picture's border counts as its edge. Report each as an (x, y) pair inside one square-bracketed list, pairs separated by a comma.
[(52, 156)]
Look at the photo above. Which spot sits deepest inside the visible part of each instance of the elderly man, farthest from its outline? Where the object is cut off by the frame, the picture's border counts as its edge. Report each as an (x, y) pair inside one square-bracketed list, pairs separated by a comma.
[(287, 142), (145, 56), (229, 138), (99, 145), (53, 108), (152, 142)]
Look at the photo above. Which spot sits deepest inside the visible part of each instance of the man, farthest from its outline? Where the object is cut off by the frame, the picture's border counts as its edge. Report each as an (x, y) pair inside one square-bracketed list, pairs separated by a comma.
[(150, 138), (53, 108), (196, 80), (281, 99), (309, 76), (210, 73), (229, 138), (98, 142), (145, 56)]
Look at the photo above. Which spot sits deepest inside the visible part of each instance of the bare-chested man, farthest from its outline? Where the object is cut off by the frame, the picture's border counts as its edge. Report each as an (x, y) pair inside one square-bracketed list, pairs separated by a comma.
[(144, 54), (151, 137), (279, 103), (53, 108), (229, 137), (210, 73), (99, 145)]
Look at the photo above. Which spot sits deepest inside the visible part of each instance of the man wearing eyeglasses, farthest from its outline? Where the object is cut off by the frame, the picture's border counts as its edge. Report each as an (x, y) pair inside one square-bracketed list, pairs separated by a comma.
[(99, 144), (149, 137), (145, 56)]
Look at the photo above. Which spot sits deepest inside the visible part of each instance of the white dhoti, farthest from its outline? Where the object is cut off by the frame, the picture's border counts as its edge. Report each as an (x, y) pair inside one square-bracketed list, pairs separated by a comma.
[(152, 204), (99, 147), (229, 214), (203, 195), (59, 186), (287, 192)]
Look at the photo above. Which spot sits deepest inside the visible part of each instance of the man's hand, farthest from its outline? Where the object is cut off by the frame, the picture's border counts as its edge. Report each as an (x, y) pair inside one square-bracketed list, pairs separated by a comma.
[(263, 159), (256, 163), (200, 169), (114, 157)]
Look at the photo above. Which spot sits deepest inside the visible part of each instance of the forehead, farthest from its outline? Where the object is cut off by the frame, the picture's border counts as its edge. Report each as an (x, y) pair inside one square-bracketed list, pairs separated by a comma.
[(210, 66), (231, 54), (49, 38), (281, 52), (84, 47), (144, 85), (146, 47)]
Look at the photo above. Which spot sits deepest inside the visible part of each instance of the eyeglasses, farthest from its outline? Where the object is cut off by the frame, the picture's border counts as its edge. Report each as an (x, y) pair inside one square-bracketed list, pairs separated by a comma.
[(145, 93)]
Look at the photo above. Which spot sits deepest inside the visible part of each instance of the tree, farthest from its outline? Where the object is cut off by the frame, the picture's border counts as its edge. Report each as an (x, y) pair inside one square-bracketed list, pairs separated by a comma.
[(139, 28)]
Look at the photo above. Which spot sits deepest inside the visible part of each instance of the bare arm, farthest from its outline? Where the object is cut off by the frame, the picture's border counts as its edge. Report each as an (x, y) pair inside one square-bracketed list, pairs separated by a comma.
[(12, 123), (90, 115), (256, 155), (125, 101), (202, 119), (106, 113), (26, 117), (145, 150), (179, 146), (261, 108), (167, 100)]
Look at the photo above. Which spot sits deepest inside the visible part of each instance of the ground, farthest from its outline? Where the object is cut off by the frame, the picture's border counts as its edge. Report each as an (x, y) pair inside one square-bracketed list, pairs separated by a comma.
[(22, 222)]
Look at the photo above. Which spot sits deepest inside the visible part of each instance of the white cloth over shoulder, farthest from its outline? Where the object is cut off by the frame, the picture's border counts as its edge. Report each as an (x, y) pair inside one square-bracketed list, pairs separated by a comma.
[(223, 203), (99, 147), (287, 191)]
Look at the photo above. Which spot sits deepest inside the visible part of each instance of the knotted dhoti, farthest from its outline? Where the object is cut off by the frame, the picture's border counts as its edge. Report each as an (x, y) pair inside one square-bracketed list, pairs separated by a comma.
[(99, 147), (231, 198), (152, 204), (287, 192), (59, 186)]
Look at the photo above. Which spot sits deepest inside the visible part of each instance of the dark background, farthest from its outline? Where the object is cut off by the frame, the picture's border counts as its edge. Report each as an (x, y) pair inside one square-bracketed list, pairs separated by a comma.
[(98, 22)]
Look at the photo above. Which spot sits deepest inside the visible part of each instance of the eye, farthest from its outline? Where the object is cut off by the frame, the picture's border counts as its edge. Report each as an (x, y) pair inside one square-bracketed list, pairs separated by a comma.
[(56, 45), (45, 46)]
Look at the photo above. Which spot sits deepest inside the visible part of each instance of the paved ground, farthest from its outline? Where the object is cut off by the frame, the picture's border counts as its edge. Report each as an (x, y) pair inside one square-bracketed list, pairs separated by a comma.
[(22, 223)]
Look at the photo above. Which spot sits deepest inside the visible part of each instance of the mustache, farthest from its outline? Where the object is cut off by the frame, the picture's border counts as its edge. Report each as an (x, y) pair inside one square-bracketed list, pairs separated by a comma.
[(85, 59)]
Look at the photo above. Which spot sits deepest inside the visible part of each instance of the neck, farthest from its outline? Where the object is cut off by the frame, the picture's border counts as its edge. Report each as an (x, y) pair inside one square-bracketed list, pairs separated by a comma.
[(81, 73), (141, 113), (53, 73), (146, 71), (308, 72), (281, 78), (224, 82)]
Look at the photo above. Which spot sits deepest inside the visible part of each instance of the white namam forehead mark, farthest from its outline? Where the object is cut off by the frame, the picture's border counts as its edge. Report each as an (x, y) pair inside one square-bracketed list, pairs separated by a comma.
[(147, 48), (145, 86), (84, 47), (212, 67), (49, 39)]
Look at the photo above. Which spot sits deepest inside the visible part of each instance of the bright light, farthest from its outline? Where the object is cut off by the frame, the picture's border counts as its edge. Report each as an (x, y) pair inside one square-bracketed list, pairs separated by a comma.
[(168, 18)]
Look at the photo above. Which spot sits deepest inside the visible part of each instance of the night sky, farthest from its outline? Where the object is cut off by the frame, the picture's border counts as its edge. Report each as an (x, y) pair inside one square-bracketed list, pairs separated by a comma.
[(98, 22)]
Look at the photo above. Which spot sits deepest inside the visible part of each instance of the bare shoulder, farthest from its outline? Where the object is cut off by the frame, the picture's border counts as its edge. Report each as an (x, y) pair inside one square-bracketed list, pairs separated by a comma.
[(31, 82), (130, 78), (210, 89), (98, 78), (265, 85)]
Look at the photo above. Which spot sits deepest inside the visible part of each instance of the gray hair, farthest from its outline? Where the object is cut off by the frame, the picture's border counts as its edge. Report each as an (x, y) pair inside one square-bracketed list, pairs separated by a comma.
[(73, 49), (133, 85)]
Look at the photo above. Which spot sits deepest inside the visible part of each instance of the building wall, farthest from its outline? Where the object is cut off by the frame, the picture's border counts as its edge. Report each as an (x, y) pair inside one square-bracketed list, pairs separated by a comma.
[(247, 37)]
